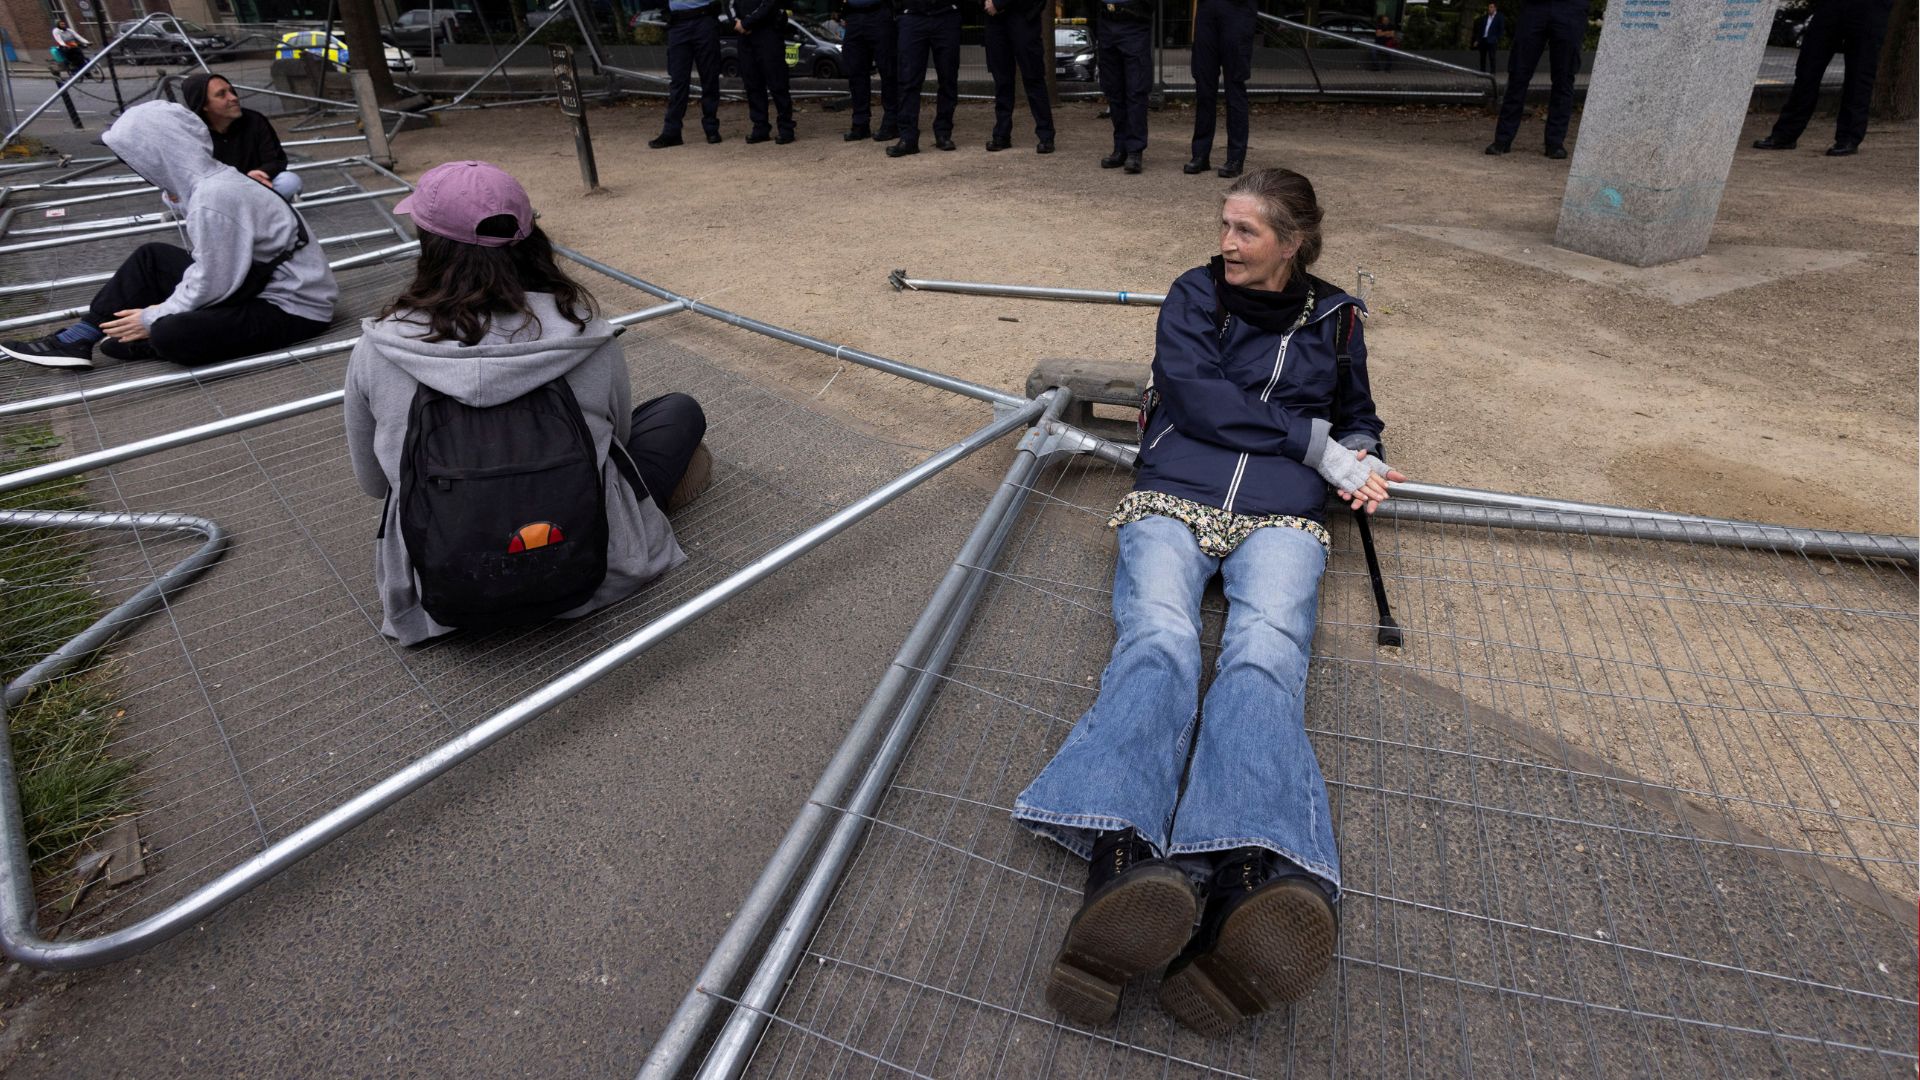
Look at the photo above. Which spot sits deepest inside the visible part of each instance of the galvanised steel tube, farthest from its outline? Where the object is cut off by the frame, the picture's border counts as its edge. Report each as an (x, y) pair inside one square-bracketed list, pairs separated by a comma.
[(20, 940), (136, 607), (756, 912), (1652, 525), (84, 230), (66, 313), (104, 196), (840, 352), (1437, 502), (1396, 55), (74, 466), (731, 1050), (511, 53), (162, 226), (899, 280), (82, 73)]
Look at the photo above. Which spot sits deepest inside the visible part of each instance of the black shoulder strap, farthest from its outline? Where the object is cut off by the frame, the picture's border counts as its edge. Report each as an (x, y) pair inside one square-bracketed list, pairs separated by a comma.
[(623, 460)]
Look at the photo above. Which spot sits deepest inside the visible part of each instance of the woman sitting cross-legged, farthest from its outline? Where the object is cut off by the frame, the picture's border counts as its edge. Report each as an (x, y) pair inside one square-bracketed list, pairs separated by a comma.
[(492, 410), (1255, 418)]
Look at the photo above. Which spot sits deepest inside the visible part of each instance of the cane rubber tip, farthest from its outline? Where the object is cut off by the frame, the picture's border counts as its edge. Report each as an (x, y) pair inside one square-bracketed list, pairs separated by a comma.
[(1391, 634)]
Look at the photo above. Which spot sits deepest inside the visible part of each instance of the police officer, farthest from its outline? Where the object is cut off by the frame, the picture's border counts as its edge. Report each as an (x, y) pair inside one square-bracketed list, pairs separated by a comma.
[(762, 26), (1558, 28), (1013, 39), (693, 40), (928, 26), (1856, 28), (1222, 45), (1126, 68), (871, 40)]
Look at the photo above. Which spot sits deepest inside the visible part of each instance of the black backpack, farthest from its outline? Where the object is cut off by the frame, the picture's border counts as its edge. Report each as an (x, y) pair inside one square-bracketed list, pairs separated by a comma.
[(502, 508)]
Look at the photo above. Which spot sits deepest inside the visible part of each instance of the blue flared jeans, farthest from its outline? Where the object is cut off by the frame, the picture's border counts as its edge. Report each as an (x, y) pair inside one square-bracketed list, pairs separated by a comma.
[(1253, 780)]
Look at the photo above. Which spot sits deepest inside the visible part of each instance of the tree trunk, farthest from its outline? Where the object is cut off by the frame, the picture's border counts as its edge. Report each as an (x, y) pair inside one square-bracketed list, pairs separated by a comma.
[(360, 25), (1895, 90)]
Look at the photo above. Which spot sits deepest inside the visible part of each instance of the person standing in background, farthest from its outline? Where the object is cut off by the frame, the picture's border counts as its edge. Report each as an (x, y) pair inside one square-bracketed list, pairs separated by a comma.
[(928, 28), (762, 26), (1222, 46), (871, 40), (1126, 69), (693, 41), (1487, 32), (1013, 40), (1557, 28), (1853, 27)]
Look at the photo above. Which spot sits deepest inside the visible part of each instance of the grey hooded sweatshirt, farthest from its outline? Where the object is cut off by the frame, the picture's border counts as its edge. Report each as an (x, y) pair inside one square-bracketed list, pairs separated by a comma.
[(233, 221), (516, 356)]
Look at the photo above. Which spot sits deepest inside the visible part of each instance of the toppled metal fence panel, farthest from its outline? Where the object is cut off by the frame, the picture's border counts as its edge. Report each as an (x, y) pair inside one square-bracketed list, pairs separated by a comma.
[(1619, 807)]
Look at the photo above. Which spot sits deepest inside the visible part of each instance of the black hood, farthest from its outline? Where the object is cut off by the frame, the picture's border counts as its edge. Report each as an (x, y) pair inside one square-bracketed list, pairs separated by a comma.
[(193, 91)]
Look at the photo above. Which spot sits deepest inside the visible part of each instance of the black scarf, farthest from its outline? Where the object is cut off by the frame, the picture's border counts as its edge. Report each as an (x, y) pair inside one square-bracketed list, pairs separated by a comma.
[(1274, 312)]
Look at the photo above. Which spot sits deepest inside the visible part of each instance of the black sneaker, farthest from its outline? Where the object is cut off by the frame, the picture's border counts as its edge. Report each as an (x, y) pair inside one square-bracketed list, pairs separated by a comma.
[(1266, 939), (126, 351), (1138, 909), (662, 141), (50, 351)]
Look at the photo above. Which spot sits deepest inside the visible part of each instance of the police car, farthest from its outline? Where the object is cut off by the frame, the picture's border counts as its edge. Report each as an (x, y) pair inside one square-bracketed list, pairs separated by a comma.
[(320, 45), (812, 49)]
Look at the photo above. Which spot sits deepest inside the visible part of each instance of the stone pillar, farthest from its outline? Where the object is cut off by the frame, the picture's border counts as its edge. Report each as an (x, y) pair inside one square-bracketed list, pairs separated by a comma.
[(1669, 94)]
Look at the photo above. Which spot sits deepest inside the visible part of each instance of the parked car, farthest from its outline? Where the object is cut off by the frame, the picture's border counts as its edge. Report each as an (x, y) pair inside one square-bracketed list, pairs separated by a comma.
[(1073, 54), (1335, 22), (423, 29), (812, 49), (332, 47), (162, 43)]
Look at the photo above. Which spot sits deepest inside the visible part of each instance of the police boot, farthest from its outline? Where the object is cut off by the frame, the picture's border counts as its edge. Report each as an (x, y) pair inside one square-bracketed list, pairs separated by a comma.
[(857, 134), (1234, 167), (1114, 160), (1498, 147), (663, 140), (1200, 163), (1132, 163), (1772, 143), (1557, 153), (903, 148), (1138, 909), (1266, 939)]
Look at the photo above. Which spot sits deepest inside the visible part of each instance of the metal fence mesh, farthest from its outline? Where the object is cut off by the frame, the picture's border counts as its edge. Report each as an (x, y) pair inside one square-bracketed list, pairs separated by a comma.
[(264, 695), (1618, 808)]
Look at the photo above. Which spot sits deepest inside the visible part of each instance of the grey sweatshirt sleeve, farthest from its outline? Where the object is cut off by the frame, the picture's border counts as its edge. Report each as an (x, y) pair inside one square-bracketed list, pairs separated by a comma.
[(222, 255), (358, 408)]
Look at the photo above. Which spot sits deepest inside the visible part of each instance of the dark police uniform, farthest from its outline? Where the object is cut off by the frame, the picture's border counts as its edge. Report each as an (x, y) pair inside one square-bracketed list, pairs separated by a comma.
[(693, 41), (928, 27), (1222, 46), (1857, 28), (1126, 70), (872, 40), (1013, 39), (1558, 28), (763, 64)]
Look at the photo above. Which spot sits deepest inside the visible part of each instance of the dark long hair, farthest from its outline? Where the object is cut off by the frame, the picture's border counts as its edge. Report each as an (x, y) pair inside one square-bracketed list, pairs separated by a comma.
[(460, 289)]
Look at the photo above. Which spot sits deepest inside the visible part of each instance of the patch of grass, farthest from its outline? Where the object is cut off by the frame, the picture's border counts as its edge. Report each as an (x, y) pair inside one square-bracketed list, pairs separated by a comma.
[(71, 787)]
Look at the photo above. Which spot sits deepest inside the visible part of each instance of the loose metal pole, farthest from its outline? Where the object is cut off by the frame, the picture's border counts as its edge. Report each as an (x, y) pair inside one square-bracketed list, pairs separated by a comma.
[(100, 26)]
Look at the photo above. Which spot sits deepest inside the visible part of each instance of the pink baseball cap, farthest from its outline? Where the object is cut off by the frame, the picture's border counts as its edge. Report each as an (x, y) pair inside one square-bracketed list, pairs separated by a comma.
[(451, 200)]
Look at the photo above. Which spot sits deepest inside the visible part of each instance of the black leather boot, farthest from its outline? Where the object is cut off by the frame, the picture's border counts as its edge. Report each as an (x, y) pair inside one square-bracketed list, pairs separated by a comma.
[(1197, 166), (1138, 909), (1266, 938)]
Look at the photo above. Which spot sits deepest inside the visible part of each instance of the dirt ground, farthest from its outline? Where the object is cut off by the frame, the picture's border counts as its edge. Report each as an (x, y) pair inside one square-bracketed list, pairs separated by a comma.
[(1791, 401)]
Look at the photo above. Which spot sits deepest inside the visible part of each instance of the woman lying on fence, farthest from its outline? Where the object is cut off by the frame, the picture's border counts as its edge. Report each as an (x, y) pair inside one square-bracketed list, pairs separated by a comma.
[(253, 283), (1250, 419), (491, 409)]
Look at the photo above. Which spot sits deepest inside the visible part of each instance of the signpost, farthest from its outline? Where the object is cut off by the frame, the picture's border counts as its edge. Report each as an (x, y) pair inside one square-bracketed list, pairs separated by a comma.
[(567, 84)]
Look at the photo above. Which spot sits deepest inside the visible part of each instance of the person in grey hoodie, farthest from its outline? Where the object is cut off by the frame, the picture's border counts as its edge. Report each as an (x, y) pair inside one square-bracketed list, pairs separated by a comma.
[(254, 282), (488, 318)]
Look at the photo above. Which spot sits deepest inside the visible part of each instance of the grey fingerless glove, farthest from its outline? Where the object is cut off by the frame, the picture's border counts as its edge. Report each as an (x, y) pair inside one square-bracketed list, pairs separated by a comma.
[(1339, 467)]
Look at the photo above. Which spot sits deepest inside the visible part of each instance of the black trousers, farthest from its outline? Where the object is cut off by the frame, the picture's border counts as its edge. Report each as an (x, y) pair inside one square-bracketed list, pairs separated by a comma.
[(937, 35), (666, 431), (1556, 28), (1487, 55), (1856, 28), (1222, 46), (1013, 40), (223, 331), (694, 43), (872, 40), (1126, 71), (763, 63)]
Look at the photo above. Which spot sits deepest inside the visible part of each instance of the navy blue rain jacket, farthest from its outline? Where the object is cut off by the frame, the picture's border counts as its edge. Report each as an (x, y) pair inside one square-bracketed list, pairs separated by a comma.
[(1242, 410)]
